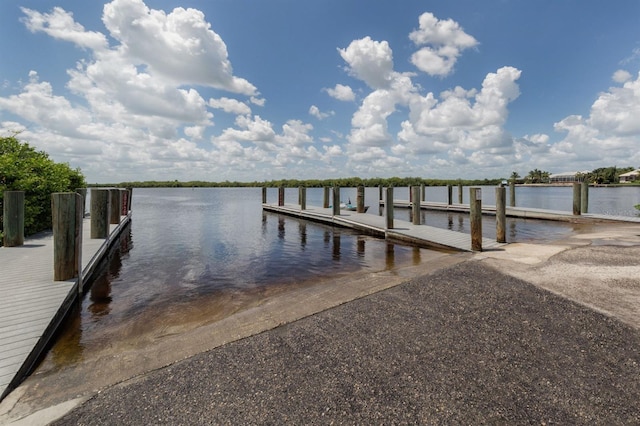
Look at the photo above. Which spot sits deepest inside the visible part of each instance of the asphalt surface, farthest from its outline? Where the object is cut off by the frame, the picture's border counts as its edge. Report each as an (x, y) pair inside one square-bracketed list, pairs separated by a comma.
[(465, 345)]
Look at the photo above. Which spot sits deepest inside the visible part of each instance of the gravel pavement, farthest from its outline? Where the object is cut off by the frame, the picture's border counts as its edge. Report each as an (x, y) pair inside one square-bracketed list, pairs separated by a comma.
[(466, 345)]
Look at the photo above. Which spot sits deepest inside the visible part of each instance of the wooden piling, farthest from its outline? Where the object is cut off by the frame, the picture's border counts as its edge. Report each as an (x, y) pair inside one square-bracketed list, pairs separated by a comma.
[(124, 201), (501, 214), (360, 199), (449, 194), (336, 201), (423, 193), (512, 194), (83, 192), (66, 212), (281, 196), (475, 218), (416, 205), (130, 197), (380, 193), (325, 199), (584, 198), (264, 195), (114, 211), (388, 206), (13, 218), (577, 203), (460, 199), (100, 206), (303, 197)]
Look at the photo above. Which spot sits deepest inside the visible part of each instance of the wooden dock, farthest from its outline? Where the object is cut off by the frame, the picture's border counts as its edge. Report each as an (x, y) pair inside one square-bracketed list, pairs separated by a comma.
[(421, 235), (520, 212), (32, 304)]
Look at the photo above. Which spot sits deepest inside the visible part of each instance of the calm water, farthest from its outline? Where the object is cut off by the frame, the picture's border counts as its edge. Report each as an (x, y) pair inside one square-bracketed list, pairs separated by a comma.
[(193, 256)]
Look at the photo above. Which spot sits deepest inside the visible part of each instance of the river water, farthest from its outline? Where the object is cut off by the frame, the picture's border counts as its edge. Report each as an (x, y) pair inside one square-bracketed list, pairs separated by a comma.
[(193, 256)]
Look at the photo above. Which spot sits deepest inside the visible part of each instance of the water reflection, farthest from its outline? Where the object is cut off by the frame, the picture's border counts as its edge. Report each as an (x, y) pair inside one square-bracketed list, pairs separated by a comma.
[(72, 336), (390, 255)]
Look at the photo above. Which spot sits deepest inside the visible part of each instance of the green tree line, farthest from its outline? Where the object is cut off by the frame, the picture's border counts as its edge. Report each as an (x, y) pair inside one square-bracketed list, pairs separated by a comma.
[(22, 168), (309, 183)]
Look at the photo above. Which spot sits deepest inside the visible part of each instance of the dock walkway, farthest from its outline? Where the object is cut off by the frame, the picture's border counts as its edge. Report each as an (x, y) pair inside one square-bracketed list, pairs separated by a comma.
[(521, 212), (422, 235), (32, 304)]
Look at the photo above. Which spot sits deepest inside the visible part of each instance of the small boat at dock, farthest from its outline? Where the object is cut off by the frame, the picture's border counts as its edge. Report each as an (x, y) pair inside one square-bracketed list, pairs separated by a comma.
[(351, 207)]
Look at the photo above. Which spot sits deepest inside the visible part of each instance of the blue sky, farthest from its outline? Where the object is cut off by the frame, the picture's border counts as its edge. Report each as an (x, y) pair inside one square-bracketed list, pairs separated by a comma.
[(271, 89)]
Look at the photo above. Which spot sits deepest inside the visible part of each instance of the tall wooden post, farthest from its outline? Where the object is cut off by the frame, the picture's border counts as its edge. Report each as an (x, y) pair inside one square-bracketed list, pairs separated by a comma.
[(303, 198), (114, 211), (264, 195), (380, 193), (449, 194), (475, 218), (577, 202), (66, 212), (416, 205), (360, 199), (281, 196), (584, 198), (83, 192), (130, 197), (512, 194), (100, 206), (336, 201), (423, 193), (501, 214), (124, 201), (13, 218), (460, 193), (325, 199), (411, 193), (388, 205)]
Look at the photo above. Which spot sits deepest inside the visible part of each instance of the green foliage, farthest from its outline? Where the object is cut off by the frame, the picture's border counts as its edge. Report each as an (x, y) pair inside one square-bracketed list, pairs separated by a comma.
[(608, 175), (537, 176), (22, 168)]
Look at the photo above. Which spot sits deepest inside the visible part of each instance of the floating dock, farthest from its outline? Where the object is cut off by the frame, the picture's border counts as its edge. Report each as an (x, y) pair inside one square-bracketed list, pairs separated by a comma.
[(520, 212), (421, 235), (33, 305)]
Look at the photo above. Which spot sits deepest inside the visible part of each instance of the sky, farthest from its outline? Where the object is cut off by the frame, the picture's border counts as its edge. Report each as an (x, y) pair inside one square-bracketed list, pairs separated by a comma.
[(259, 90)]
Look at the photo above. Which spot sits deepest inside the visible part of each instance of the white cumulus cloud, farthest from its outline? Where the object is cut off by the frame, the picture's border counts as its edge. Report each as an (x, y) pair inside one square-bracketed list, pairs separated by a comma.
[(608, 133), (370, 61), (232, 106), (342, 93), (180, 45), (315, 111), (60, 24), (442, 43)]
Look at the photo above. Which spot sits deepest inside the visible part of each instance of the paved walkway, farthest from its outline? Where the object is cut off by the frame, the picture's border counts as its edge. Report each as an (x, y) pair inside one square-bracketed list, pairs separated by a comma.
[(467, 345)]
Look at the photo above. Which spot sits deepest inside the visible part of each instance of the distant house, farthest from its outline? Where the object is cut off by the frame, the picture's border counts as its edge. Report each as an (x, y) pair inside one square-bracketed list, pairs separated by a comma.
[(567, 177), (630, 176)]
